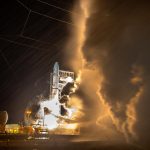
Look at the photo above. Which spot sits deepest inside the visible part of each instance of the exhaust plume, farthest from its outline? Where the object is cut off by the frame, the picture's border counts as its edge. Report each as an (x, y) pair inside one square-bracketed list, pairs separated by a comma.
[(108, 51), (88, 74)]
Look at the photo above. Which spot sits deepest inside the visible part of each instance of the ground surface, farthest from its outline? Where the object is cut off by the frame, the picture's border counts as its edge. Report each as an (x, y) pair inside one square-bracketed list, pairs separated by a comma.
[(59, 143)]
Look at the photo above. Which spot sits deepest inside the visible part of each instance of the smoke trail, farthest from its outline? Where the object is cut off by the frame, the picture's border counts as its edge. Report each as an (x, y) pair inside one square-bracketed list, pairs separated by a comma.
[(89, 74), (114, 112), (74, 46)]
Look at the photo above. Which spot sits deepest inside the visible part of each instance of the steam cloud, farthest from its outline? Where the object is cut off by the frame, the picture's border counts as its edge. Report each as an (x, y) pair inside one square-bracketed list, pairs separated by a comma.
[(110, 52)]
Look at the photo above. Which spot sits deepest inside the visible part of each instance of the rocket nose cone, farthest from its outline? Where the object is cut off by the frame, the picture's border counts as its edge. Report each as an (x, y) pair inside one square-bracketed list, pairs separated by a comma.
[(56, 64), (56, 67)]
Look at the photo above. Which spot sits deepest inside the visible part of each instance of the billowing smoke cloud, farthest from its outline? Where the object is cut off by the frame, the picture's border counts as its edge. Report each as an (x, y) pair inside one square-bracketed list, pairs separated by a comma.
[(110, 50), (89, 75), (55, 113)]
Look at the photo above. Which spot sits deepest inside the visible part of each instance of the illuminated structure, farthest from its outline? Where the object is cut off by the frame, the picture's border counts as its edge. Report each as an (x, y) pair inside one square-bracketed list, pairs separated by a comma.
[(12, 128), (54, 113), (58, 79)]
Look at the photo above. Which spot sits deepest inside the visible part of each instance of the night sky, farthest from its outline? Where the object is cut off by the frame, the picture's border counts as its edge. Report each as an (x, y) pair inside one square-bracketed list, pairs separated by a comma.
[(31, 40)]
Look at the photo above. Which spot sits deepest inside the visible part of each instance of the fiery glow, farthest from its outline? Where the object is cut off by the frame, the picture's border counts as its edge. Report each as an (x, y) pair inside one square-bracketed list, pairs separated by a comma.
[(28, 112), (49, 113), (50, 119)]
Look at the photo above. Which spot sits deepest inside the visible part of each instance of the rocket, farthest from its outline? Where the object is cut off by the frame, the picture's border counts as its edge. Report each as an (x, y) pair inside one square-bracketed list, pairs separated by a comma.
[(56, 75), (54, 85), (59, 79)]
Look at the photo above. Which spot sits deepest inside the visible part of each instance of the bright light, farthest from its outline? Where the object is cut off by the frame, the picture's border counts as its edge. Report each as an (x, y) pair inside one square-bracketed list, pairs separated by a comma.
[(69, 79)]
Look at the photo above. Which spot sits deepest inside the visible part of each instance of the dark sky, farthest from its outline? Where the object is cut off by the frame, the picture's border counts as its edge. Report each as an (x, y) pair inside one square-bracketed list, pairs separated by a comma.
[(32, 37)]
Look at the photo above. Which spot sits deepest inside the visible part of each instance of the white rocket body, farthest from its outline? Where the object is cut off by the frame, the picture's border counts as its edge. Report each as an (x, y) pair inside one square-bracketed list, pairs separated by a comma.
[(55, 81)]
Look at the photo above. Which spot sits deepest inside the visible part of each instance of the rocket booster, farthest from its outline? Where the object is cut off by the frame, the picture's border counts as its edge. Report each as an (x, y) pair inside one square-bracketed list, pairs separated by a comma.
[(58, 79), (55, 79)]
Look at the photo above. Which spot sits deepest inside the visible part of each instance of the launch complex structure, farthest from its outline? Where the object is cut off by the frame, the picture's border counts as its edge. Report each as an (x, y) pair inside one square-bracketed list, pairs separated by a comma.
[(56, 114)]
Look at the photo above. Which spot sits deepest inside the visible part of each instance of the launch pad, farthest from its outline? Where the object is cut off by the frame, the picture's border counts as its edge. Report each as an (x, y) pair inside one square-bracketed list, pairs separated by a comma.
[(60, 142), (56, 115)]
